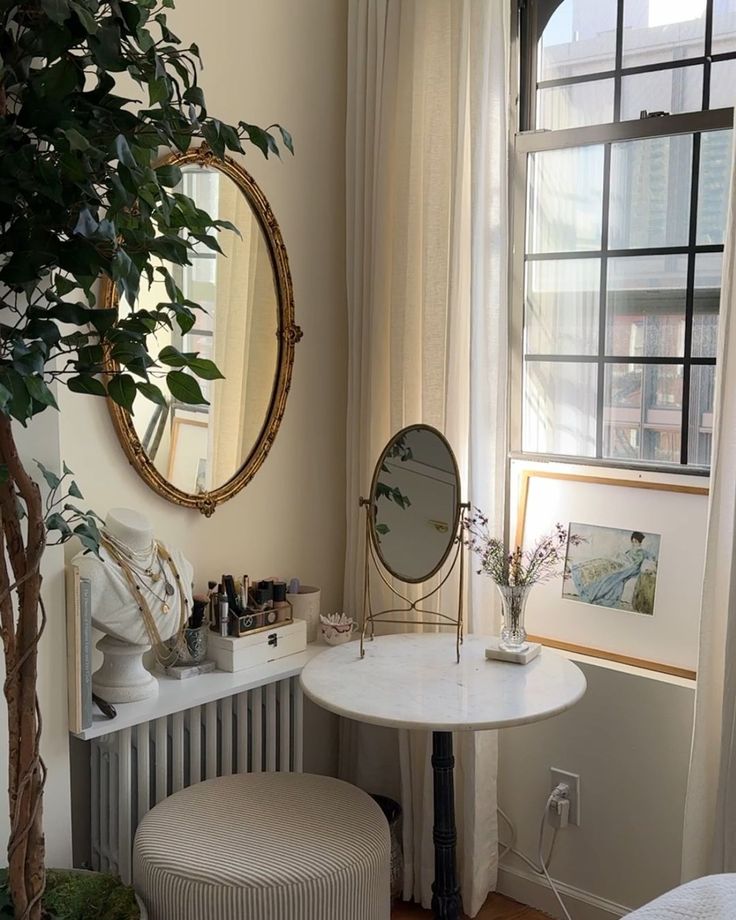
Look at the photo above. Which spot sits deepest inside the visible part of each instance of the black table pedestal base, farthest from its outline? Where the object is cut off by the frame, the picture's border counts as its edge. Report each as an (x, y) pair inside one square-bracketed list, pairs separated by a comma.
[(445, 890)]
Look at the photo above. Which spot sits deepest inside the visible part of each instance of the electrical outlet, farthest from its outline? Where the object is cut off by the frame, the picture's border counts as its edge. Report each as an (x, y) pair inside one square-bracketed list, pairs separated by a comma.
[(572, 781)]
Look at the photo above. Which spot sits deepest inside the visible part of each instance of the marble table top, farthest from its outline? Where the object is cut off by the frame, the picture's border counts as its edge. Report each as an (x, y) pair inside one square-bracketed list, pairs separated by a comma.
[(412, 680)]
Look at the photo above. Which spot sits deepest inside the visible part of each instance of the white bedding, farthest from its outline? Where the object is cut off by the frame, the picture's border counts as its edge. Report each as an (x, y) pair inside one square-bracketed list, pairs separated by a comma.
[(709, 898)]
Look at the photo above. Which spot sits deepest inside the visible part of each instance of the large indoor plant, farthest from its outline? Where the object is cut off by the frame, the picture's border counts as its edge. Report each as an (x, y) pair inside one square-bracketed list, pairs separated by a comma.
[(81, 197)]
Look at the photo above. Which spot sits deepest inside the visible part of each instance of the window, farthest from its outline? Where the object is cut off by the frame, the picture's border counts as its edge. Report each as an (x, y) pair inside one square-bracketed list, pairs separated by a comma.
[(623, 166), (198, 281)]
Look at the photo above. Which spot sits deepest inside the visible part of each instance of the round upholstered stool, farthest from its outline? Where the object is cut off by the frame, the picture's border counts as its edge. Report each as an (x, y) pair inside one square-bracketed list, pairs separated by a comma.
[(265, 846)]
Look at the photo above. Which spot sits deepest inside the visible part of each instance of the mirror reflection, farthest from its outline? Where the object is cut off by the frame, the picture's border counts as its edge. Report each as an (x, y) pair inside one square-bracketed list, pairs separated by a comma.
[(415, 502), (199, 448)]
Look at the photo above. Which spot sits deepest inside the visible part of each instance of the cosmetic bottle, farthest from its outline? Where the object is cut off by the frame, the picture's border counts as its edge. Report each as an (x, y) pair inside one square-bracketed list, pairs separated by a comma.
[(266, 587), (244, 591), (223, 609), (212, 612), (233, 596), (281, 605)]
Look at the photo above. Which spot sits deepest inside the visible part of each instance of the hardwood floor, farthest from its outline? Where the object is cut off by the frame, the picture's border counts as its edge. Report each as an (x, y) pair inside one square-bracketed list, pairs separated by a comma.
[(497, 907)]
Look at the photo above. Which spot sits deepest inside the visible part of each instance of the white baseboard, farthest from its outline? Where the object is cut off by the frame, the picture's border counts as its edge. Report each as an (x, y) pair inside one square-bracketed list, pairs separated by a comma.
[(534, 890)]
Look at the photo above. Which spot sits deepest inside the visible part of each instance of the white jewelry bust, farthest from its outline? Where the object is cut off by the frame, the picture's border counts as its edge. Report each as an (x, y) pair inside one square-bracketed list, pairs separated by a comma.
[(122, 678)]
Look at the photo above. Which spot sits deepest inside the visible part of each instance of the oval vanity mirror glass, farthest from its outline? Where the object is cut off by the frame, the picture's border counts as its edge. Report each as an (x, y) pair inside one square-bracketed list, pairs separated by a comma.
[(199, 455), (415, 502)]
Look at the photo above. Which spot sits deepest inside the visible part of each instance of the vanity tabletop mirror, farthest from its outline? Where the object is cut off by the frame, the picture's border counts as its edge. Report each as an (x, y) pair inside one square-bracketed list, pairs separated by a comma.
[(413, 523), (199, 456)]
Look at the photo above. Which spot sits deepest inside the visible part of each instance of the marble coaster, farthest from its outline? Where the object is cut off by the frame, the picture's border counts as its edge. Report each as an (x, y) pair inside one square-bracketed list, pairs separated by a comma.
[(184, 671), (494, 651)]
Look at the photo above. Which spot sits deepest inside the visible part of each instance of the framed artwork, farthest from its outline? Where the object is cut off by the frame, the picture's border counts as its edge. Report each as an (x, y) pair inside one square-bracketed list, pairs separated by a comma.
[(188, 454), (632, 579), (612, 568)]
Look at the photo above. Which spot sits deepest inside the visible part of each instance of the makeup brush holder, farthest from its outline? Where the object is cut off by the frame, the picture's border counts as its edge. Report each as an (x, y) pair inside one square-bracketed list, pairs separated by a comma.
[(192, 649), (306, 606)]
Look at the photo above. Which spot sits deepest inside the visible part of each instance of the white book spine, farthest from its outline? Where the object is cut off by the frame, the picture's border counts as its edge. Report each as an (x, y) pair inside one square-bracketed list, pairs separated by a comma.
[(85, 651)]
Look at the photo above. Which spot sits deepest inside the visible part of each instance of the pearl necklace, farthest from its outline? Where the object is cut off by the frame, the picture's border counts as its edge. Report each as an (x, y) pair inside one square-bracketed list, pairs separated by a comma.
[(128, 550)]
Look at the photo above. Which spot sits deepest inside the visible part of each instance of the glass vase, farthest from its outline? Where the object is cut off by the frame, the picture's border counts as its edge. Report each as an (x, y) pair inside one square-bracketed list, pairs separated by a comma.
[(513, 634)]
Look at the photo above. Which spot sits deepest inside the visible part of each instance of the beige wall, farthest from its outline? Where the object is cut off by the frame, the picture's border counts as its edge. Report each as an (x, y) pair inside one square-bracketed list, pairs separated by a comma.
[(264, 62), (40, 441), (629, 741)]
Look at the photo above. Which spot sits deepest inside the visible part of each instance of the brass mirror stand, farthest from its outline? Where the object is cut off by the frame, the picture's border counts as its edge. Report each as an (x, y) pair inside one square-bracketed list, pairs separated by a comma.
[(398, 615)]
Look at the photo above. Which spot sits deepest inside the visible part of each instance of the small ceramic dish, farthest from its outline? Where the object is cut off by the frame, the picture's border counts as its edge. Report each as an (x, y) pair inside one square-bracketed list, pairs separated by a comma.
[(336, 628)]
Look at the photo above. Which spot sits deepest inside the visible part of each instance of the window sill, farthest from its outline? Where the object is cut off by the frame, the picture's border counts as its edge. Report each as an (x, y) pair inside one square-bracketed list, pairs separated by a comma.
[(613, 465), (634, 671)]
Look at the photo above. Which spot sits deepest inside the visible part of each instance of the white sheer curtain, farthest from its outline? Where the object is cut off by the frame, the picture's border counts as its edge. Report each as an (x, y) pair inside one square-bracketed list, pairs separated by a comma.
[(245, 343), (710, 809), (427, 155)]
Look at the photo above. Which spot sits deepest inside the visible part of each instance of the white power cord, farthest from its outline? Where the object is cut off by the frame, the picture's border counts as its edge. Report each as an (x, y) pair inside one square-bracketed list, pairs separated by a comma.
[(558, 798)]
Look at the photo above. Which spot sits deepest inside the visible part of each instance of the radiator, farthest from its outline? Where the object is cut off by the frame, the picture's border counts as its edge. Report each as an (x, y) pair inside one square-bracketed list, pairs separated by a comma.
[(135, 768)]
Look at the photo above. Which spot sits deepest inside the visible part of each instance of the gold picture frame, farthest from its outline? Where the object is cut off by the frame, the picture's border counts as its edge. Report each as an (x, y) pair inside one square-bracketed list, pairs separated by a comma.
[(525, 478), (176, 431)]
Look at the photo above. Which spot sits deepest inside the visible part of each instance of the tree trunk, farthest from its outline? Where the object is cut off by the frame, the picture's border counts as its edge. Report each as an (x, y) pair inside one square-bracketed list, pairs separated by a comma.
[(21, 625)]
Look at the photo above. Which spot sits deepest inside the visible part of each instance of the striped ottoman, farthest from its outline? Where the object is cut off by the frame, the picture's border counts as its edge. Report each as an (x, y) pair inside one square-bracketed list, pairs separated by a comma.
[(265, 846)]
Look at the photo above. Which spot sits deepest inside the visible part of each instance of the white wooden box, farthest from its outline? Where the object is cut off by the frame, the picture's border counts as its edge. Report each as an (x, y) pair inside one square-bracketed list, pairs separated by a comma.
[(231, 654)]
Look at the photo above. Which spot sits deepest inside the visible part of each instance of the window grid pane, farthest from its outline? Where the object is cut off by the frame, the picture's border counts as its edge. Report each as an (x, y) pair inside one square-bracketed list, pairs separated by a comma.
[(619, 335), (666, 54), (628, 390)]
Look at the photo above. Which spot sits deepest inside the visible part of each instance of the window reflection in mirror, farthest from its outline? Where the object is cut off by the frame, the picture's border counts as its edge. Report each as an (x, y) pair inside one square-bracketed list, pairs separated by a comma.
[(415, 500), (199, 448)]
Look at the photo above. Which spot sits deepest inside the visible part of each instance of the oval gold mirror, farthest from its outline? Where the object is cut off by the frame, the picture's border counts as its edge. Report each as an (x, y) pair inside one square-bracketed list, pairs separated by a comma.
[(198, 456), (415, 503)]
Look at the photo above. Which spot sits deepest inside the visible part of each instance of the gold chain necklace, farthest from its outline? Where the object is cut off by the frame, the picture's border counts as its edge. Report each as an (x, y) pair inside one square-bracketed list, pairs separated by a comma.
[(148, 619), (144, 572)]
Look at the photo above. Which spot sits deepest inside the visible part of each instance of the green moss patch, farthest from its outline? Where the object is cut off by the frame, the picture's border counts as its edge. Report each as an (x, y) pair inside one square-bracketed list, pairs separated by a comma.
[(80, 896)]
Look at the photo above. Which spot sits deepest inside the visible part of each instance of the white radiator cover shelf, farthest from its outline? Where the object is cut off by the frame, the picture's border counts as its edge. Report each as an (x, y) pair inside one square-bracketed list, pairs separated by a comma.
[(250, 722)]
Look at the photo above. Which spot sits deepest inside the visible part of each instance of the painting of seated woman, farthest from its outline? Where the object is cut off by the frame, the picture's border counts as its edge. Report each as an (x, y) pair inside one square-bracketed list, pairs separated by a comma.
[(610, 567)]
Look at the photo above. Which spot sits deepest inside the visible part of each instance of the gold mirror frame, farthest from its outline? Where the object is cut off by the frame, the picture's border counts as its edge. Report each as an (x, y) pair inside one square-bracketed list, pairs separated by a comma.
[(406, 615), (288, 334)]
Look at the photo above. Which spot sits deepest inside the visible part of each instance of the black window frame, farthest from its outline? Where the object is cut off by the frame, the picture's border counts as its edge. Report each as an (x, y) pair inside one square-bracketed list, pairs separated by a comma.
[(527, 140)]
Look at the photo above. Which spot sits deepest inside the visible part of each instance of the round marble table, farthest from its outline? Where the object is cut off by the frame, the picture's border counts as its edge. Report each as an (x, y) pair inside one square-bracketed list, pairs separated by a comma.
[(412, 680)]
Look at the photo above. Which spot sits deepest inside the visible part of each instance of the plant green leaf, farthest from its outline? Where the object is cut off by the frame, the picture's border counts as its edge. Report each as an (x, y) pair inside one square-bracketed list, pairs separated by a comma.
[(205, 369), (286, 138), (185, 388), (121, 390), (84, 16), (52, 480), (55, 521), (40, 391), (76, 140), (172, 357), (152, 392), (56, 10), (89, 535), (168, 175), (86, 384)]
